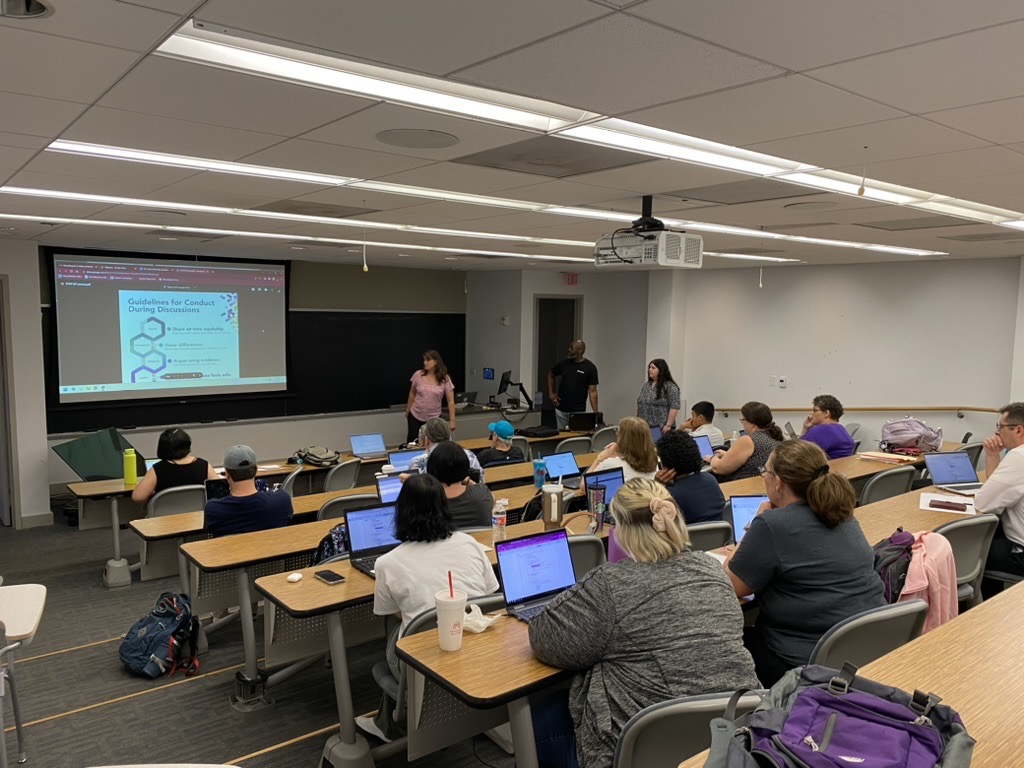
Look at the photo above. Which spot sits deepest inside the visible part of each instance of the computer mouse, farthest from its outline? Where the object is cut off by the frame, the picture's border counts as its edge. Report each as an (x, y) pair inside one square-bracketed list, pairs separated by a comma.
[(293, 577)]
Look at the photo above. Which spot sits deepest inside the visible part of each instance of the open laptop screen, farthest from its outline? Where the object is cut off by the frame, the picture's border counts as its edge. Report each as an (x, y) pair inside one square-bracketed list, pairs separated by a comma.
[(370, 529), (949, 468), (534, 566), (388, 488), (703, 445), (368, 445), (611, 479), (561, 465), (400, 459), (744, 509)]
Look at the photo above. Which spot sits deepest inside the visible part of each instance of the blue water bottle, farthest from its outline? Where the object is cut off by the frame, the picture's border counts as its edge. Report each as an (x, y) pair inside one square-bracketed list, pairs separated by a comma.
[(540, 472)]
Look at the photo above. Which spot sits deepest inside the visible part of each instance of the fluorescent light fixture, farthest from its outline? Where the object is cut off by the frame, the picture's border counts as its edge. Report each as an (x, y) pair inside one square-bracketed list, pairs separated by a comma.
[(199, 43), (448, 196), (622, 134), (284, 236), (964, 209), (848, 184), (748, 257)]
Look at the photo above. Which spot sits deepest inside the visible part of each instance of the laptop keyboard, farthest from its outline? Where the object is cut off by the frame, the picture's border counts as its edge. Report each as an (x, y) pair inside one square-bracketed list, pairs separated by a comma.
[(368, 564), (529, 612)]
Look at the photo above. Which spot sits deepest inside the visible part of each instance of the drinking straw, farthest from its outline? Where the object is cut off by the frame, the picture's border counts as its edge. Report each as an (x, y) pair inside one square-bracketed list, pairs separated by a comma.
[(451, 587)]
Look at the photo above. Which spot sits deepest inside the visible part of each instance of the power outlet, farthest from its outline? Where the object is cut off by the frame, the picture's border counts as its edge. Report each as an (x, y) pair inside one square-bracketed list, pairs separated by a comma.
[(783, 381)]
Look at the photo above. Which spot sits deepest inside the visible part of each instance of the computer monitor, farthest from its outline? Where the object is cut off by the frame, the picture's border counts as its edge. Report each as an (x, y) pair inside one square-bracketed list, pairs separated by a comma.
[(506, 379), (99, 456)]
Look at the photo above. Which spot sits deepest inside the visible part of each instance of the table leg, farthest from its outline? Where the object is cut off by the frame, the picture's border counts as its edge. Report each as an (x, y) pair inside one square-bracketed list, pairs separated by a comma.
[(117, 573), (250, 685), (520, 719), (346, 749)]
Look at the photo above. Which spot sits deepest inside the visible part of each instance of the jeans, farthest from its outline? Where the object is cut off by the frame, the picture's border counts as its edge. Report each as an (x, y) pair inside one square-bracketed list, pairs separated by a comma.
[(553, 729), (562, 419), (413, 432)]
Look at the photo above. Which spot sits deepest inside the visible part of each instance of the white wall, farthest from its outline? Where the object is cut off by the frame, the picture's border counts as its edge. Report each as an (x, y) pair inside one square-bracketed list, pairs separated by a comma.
[(491, 297), (19, 270)]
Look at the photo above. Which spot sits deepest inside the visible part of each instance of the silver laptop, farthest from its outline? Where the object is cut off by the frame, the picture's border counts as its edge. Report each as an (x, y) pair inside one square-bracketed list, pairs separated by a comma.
[(369, 446), (953, 472), (533, 570), (370, 533), (564, 466)]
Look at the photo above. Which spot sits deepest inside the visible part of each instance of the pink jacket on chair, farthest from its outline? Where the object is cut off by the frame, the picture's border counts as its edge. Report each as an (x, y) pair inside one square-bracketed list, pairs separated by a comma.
[(932, 578)]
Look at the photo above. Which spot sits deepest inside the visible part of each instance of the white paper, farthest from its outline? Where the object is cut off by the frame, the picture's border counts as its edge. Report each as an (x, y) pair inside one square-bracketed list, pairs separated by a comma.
[(927, 498), (718, 556), (268, 466)]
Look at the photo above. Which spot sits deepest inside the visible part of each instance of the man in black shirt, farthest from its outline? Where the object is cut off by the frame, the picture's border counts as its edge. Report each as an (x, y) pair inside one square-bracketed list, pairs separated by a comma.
[(579, 382)]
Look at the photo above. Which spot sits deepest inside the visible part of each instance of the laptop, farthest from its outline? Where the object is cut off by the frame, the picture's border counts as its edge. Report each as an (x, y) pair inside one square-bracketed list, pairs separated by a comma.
[(533, 570), (790, 431), (99, 455), (704, 445), (150, 463), (743, 511), (368, 446), (611, 479), (953, 472), (388, 487), (400, 460), (370, 533), (563, 465), (582, 422), (655, 434), (465, 398)]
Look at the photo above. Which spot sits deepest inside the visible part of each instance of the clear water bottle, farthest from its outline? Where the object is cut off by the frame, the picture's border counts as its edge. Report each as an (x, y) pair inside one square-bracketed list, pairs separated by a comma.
[(499, 519)]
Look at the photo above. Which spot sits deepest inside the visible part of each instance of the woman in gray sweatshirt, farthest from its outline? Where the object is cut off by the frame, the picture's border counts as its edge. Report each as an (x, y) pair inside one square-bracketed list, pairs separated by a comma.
[(662, 624)]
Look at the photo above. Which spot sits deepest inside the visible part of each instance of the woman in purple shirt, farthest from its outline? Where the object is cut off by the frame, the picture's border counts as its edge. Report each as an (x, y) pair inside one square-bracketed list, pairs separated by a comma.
[(823, 429)]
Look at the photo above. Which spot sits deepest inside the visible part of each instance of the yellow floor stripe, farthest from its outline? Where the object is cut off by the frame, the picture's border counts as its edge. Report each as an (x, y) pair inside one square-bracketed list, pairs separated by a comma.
[(283, 744), (21, 660)]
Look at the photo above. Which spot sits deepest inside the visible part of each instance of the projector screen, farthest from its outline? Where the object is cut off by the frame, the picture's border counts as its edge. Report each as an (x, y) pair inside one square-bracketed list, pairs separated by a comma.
[(132, 328)]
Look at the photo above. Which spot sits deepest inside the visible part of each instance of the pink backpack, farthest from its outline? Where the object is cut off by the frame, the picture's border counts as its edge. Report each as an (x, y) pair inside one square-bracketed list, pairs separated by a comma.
[(909, 432)]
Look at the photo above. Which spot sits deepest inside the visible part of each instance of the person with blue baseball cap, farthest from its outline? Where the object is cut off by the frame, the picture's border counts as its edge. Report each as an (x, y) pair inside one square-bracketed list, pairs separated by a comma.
[(501, 451)]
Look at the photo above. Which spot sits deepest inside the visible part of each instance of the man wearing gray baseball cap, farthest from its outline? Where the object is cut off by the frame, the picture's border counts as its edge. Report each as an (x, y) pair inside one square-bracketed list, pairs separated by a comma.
[(245, 509)]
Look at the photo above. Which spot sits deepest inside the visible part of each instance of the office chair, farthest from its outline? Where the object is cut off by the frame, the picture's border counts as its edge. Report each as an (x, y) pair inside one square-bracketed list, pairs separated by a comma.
[(665, 734), (344, 476), (288, 484), (587, 552), (523, 445), (856, 445), (970, 539), (173, 501), (852, 428), (575, 445), (869, 635), (335, 508), (966, 437), (602, 438), (974, 451), (886, 484), (708, 536)]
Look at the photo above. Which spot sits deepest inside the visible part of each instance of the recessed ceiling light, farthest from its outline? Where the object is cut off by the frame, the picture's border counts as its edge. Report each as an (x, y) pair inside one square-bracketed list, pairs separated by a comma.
[(167, 238), (417, 138), (451, 258), (24, 9), (296, 248)]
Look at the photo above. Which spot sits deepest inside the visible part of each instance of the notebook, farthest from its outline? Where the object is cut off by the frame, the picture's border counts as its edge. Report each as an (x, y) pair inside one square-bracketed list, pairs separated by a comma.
[(400, 460), (368, 446), (388, 487), (582, 422), (533, 570), (655, 434), (611, 479), (953, 472), (743, 510), (563, 465), (704, 445), (370, 533)]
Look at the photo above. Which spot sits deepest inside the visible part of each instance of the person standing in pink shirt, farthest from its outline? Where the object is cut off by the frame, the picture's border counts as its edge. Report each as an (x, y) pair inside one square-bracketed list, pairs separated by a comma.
[(429, 388)]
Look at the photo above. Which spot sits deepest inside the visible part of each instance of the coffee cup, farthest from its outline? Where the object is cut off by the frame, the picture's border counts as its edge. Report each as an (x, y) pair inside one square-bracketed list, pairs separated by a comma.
[(387, 469), (451, 615)]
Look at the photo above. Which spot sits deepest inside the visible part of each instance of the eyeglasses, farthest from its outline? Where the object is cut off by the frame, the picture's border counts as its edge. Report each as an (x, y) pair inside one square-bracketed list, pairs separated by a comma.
[(1000, 425), (763, 471)]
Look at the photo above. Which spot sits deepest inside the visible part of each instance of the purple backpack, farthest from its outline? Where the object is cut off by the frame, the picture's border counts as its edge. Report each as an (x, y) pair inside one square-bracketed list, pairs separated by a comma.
[(909, 432), (816, 717), (892, 562)]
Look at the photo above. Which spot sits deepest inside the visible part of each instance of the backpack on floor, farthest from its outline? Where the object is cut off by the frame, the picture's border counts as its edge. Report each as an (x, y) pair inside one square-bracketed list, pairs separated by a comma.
[(330, 545), (816, 717), (892, 562), (164, 640)]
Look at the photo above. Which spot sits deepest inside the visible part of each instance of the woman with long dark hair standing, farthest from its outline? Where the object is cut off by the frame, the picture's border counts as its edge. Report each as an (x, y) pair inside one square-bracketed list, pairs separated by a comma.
[(429, 388), (658, 402)]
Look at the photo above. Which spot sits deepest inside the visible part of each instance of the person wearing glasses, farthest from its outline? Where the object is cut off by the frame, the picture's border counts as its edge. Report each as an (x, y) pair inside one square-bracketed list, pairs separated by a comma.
[(749, 452), (805, 557), (1003, 495), (823, 429)]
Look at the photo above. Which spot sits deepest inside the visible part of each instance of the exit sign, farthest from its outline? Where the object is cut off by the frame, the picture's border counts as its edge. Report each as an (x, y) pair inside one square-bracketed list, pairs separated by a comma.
[(571, 278)]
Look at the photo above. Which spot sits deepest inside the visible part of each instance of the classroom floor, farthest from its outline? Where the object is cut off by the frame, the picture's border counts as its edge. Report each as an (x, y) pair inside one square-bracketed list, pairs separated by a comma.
[(82, 709)]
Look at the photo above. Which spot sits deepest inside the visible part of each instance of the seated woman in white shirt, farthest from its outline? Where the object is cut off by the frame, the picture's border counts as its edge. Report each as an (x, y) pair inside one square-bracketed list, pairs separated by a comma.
[(409, 575), (633, 450)]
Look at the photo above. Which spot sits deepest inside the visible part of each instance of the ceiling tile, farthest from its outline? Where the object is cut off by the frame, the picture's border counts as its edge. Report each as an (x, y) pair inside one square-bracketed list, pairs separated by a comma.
[(459, 32), (591, 75), (35, 116), (228, 198), (1001, 122), (87, 184), (560, 192), (774, 109), (182, 90), (15, 157), (42, 206), (966, 69), (59, 163), (886, 140), (21, 140), (173, 6), (930, 169), (107, 22), (361, 129), (121, 128), (464, 178), (333, 159), (798, 34), (359, 197), (658, 176), (225, 183), (72, 70)]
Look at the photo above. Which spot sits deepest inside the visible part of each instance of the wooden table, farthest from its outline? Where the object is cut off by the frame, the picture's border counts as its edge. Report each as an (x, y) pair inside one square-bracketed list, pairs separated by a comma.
[(479, 443)]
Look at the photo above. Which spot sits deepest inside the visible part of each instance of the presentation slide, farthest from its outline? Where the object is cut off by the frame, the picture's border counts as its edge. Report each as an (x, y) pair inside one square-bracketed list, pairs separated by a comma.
[(137, 328)]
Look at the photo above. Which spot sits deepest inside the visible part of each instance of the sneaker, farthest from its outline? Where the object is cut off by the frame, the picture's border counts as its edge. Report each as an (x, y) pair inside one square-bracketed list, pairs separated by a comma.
[(365, 723)]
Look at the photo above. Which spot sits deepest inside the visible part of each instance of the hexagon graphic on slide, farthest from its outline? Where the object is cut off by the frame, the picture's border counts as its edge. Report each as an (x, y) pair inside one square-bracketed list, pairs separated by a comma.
[(143, 347)]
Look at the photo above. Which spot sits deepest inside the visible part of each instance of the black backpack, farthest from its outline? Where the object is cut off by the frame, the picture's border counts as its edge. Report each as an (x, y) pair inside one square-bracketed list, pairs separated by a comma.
[(892, 562), (164, 640)]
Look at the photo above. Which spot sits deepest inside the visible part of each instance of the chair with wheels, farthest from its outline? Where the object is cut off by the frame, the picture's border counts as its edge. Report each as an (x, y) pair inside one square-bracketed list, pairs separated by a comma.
[(869, 635), (974, 451), (344, 476), (574, 445), (856, 446), (708, 536), (602, 438), (21, 610), (970, 539), (886, 484), (665, 734), (523, 445), (587, 552), (288, 484), (335, 508)]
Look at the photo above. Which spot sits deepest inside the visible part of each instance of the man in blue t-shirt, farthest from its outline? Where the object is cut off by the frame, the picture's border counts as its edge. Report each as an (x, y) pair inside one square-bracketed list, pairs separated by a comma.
[(246, 508)]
